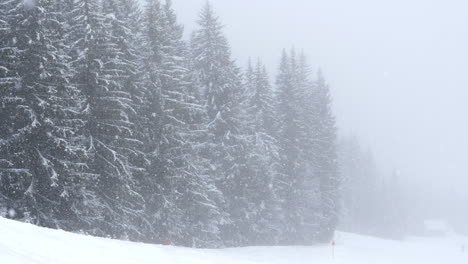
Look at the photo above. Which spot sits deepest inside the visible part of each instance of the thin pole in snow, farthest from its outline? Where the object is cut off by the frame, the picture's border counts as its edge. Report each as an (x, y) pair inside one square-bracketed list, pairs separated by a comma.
[(333, 244)]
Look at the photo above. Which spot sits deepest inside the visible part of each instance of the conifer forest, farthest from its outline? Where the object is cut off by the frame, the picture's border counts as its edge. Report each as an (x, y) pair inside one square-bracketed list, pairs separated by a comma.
[(114, 123)]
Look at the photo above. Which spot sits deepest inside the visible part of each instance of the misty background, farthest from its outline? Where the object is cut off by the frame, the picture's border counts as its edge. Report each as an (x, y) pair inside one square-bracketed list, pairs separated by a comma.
[(397, 71)]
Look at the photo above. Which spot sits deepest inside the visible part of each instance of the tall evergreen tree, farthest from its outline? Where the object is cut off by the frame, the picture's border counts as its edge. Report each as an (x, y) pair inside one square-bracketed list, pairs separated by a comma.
[(308, 191), (43, 156), (325, 159), (154, 188), (220, 84), (8, 52), (176, 171), (107, 111), (263, 157), (306, 136), (289, 134), (122, 20)]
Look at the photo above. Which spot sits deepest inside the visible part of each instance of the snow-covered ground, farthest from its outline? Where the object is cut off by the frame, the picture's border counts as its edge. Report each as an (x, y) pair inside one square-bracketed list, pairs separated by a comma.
[(27, 244)]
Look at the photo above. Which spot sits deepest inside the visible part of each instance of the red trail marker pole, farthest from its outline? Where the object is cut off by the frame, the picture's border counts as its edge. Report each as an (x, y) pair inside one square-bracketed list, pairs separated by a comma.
[(333, 244)]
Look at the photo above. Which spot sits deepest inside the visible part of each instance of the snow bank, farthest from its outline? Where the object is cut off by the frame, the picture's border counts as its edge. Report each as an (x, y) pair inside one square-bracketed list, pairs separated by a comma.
[(28, 244)]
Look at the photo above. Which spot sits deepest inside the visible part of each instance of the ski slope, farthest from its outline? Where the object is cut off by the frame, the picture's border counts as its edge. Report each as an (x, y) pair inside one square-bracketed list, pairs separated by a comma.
[(27, 244)]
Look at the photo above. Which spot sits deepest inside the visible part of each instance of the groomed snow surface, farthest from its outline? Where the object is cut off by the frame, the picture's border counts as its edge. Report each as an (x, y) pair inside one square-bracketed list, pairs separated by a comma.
[(24, 244)]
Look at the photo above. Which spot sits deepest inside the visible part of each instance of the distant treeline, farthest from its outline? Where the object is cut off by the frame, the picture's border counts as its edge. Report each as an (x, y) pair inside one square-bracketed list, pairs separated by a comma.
[(371, 203)]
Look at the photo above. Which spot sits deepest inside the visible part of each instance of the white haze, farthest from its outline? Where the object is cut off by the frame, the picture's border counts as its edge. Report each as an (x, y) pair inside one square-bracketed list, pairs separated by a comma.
[(398, 71)]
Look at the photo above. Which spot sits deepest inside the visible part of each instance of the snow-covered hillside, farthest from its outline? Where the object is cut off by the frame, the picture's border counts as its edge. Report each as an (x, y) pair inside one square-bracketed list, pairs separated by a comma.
[(27, 244)]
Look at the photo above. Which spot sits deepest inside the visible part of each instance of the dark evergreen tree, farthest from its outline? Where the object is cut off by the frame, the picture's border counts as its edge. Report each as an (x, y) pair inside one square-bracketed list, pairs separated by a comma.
[(122, 19), (39, 130), (154, 188), (107, 110), (220, 85), (185, 193), (14, 177)]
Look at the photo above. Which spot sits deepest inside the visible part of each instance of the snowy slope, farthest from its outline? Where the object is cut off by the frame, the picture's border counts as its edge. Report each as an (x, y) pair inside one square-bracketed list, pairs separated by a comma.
[(23, 243)]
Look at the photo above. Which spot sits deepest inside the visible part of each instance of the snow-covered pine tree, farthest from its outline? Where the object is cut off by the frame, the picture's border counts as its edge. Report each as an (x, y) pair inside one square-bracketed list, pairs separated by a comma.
[(307, 191), (121, 21), (265, 101), (107, 111), (263, 164), (7, 75), (6, 51), (325, 159), (201, 194), (14, 179), (249, 80), (289, 134), (170, 168), (220, 85), (153, 188), (42, 158), (300, 125), (181, 203)]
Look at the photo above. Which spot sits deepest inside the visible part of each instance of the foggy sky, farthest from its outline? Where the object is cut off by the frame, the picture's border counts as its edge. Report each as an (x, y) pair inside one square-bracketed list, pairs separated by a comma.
[(398, 70)]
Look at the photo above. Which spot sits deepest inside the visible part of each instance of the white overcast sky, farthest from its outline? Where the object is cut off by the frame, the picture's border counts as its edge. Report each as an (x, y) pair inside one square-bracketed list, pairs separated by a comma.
[(398, 71)]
